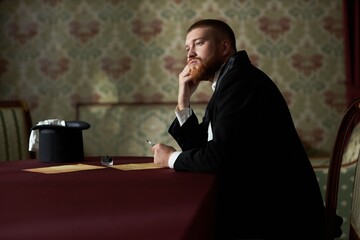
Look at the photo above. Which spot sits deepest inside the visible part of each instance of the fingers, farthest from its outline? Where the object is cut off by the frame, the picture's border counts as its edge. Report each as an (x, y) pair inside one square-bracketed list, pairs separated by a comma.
[(185, 72), (162, 153), (185, 76)]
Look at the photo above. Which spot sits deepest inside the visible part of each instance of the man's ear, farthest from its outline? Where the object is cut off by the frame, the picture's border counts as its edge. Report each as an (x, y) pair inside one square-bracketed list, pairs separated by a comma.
[(226, 47)]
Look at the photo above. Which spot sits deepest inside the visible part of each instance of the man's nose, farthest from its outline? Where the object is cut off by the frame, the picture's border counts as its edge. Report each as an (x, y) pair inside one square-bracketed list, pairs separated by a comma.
[(191, 54)]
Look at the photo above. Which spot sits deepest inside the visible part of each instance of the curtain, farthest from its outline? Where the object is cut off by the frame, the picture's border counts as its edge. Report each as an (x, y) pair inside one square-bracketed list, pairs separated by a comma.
[(351, 21)]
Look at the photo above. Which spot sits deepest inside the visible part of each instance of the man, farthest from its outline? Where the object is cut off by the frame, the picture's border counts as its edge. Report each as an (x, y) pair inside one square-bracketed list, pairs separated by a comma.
[(267, 188)]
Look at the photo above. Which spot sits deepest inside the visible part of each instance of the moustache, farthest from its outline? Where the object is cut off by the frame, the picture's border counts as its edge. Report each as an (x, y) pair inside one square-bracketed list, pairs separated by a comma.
[(196, 59)]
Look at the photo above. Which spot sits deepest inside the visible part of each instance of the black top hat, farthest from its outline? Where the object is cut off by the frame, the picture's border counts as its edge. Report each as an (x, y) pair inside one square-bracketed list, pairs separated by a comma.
[(61, 143)]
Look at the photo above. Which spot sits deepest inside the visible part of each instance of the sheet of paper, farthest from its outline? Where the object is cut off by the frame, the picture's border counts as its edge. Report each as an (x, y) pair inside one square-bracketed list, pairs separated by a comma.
[(137, 166), (64, 168)]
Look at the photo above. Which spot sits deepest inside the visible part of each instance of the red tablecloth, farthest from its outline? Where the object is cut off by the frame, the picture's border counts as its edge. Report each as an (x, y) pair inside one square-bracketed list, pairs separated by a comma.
[(105, 203)]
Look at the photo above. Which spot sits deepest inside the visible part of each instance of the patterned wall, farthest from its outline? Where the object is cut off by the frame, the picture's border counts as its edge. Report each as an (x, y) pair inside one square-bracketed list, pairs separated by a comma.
[(55, 53)]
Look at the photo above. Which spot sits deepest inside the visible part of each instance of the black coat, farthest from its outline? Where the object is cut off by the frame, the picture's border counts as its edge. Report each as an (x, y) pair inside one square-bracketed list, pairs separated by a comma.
[(266, 185)]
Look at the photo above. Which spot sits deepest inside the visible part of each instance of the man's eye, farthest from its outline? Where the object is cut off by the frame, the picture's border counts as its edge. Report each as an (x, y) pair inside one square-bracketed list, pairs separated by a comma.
[(199, 43)]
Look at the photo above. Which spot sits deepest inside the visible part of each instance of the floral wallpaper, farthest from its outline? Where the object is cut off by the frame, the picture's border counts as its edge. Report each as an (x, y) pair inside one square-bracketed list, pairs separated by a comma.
[(57, 53)]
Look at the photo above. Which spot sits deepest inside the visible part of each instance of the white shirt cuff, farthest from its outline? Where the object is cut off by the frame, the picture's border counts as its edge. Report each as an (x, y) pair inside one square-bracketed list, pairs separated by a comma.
[(183, 115), (173, 158)]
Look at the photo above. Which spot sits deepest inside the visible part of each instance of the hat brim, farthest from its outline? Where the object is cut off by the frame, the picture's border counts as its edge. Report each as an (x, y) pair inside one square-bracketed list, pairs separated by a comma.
[(79, 125)]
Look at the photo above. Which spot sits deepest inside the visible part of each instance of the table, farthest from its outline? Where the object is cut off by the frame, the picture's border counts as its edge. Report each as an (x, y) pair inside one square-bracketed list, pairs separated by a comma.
[(105, 203)]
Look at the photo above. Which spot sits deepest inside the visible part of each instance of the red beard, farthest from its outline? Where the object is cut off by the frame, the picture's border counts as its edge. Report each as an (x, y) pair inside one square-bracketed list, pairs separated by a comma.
[(204, 70), (197, 72)]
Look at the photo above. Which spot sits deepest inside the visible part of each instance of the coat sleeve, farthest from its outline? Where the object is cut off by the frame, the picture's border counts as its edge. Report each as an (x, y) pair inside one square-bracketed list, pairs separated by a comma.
[(192, 138), (190, 135)]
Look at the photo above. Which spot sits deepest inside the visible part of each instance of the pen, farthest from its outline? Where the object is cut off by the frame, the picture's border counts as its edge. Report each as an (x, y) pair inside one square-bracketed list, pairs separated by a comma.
[(150, 142)]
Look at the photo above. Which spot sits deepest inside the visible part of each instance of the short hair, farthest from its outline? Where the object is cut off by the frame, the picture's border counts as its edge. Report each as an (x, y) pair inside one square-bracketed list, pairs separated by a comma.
[(219, 26)]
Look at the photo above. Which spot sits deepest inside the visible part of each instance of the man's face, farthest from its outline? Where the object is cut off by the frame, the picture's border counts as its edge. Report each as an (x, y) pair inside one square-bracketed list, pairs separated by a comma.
[(203, 54)]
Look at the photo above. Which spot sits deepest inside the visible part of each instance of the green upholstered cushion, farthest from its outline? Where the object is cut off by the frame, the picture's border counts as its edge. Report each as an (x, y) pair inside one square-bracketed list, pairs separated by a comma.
[(351, 152), (14, 134)]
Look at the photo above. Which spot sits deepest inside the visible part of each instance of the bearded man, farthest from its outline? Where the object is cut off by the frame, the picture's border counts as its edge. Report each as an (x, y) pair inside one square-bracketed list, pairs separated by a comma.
[(266, 186)]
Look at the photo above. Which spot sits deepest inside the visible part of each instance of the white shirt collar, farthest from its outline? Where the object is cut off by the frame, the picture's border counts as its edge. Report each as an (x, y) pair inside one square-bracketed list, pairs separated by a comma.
[(216, 77)]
